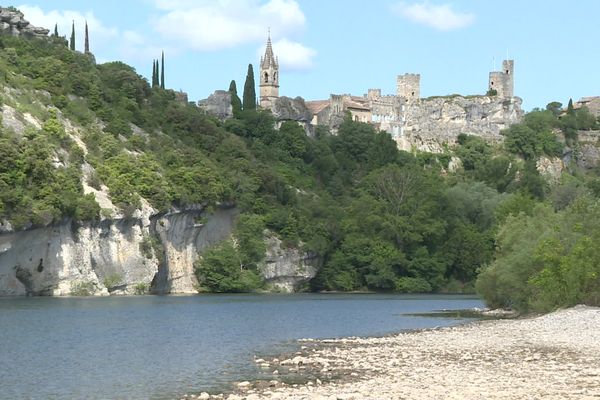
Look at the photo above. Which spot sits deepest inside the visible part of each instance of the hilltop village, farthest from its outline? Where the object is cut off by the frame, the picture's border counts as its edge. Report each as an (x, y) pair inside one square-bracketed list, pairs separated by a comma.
[(415, 123)]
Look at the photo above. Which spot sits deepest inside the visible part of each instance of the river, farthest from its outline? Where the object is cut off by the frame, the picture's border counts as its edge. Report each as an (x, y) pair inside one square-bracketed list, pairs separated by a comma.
[(161, 347)]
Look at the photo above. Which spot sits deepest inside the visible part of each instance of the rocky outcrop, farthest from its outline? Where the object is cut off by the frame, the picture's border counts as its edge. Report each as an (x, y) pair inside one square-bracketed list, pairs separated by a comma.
[(124, 256), (551, 168), (218, 104), (13, 23), (288, 109), (286, 269), (435, 122)]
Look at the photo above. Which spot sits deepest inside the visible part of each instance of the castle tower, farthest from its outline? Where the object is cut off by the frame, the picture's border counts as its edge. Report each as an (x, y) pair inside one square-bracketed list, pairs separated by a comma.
[(503, 81), (409, 87), (269, 77)]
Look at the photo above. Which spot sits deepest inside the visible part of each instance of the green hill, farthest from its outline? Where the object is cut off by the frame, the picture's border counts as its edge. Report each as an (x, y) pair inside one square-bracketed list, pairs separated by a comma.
[(376, 218)]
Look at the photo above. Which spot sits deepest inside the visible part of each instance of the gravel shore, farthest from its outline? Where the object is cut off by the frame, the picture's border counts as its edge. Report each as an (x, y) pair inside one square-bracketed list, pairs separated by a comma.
[(555, 356)]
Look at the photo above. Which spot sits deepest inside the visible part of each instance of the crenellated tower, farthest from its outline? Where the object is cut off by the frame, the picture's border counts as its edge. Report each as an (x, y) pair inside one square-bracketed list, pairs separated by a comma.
[(269, 76)]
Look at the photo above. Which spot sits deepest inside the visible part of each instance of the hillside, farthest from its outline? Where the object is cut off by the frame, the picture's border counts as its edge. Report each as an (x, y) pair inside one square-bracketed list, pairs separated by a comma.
[(108, 185)]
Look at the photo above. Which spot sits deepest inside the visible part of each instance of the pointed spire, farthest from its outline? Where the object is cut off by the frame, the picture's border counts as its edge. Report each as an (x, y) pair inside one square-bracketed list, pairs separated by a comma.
[(269, 58), (87, 39)]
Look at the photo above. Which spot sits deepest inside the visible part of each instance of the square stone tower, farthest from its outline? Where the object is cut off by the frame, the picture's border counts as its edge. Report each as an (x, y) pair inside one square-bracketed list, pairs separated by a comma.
[(503, 81), (409, 87)]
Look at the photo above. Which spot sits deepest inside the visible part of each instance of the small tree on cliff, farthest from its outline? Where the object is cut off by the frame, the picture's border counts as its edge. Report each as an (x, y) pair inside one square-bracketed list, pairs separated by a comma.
[(55, 30), (72, 41), (236, 103), (249, 99)]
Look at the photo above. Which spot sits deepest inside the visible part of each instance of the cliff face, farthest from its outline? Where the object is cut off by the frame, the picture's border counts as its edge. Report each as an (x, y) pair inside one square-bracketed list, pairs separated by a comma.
[(287, 269), (148, 254), (436, 122), (121, 255)]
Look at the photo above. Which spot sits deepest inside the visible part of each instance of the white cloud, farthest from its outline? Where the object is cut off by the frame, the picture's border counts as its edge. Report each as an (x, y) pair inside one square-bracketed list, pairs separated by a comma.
[(441, 17), (292, 56), (212, 25), (100, 34)]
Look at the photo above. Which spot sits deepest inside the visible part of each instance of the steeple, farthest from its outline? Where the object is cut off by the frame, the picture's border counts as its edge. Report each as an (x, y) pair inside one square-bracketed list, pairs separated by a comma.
[(269, 60), (269, 76)]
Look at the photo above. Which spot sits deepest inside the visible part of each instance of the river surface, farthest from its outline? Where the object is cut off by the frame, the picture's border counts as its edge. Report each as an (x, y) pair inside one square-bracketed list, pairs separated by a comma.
[(161, 347)]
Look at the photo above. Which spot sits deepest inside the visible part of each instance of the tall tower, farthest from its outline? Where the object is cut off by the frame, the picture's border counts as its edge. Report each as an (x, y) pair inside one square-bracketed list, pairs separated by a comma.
[(503, 81), (409, 87), (269, 76)]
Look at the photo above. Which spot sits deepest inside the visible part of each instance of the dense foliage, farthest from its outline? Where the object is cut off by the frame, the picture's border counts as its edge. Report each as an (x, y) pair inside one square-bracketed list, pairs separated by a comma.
[(379, 218)]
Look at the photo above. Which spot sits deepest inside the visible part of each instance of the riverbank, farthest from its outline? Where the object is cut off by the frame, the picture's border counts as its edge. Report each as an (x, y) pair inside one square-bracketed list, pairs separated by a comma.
[(555, 356)]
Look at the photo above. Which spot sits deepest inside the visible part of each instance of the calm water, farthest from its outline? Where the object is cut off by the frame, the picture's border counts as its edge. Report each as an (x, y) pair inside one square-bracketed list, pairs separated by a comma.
[(163, 347)]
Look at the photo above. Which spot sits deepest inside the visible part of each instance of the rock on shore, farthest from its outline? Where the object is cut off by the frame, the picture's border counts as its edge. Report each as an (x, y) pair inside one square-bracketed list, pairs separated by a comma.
[(555, 356)]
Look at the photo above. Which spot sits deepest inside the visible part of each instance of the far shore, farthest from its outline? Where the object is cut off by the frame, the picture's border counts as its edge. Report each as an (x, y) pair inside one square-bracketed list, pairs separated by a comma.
[(554, 356)]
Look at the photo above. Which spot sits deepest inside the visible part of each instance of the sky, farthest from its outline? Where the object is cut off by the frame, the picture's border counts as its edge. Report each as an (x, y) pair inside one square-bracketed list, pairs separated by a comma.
[(349, 46)]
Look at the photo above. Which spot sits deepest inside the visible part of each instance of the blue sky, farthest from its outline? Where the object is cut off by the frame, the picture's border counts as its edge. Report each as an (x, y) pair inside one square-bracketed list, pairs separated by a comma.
[(347, 46)]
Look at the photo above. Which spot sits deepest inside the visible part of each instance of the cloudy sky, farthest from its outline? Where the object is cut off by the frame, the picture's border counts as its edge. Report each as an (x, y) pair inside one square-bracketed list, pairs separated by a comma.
[(335, 46)]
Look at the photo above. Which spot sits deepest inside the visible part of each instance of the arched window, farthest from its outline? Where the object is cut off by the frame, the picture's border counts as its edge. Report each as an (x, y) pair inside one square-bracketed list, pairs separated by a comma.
[(266, 77), (275, 77)]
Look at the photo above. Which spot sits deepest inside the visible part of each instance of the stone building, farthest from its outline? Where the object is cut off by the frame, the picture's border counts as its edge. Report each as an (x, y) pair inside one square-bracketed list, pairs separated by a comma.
[(591, 103), (269, 77), (430, 123), (502, 81)]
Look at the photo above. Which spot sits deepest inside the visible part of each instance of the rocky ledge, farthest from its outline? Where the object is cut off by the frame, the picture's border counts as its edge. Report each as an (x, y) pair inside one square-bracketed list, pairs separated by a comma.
[(13, 23), (555, 356)]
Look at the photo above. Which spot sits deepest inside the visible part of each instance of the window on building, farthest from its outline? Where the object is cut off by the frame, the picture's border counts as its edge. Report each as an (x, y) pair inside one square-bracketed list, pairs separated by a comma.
[(266, 77)]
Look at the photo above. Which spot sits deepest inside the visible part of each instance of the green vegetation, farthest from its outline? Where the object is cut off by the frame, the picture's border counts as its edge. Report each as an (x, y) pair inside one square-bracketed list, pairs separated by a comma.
[(249, 98), (112, 281), (379, 218)]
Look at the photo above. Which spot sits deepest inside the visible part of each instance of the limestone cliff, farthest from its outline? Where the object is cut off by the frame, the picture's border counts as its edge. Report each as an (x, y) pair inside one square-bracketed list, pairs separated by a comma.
[(286, 269), (126, 256), (438, 121)]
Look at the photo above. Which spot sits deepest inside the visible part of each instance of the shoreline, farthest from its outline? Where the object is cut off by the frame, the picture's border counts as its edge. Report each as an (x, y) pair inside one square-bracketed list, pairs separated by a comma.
[(553, 356)]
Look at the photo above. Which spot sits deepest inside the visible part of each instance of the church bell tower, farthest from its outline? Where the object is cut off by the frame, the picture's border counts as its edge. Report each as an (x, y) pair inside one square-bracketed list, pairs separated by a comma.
[(269, 77)]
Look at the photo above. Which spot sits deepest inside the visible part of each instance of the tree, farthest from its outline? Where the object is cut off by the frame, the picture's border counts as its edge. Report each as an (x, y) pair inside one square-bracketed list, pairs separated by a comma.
[(249, 99), (55, 30), (554, 107), (570, 109), (162, 71), (154, 73), (236, 103), (87, 39), (72, 41)]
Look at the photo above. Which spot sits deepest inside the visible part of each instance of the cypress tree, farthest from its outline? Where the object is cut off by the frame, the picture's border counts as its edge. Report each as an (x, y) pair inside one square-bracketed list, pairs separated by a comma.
[(570, 109), (87, 39), (72, 41), (162, 71), (153, 73), (236, 103), (55, 30), (249, 97)]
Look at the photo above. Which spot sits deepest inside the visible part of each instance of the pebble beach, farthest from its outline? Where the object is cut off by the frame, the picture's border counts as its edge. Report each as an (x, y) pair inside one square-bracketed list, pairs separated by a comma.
[(554, 356)]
